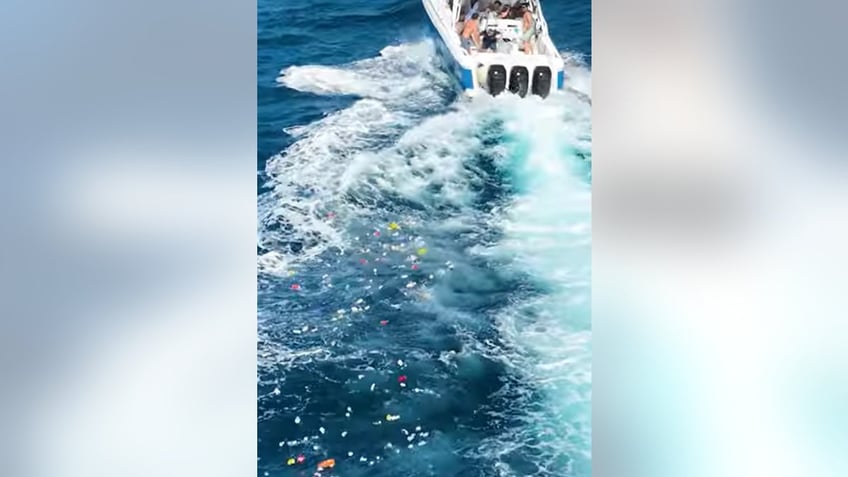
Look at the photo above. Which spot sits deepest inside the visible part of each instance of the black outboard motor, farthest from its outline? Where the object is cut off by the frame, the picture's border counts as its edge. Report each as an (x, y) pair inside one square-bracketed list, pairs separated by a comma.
[(519, 81), (542, 81), (496, 79)]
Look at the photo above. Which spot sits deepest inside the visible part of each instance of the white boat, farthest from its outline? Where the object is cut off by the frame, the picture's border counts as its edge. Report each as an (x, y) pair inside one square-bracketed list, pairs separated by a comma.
[(503, 67)]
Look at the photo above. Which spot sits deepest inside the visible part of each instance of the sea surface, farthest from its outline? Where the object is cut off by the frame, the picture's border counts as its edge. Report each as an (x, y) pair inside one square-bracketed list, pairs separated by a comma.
[(423, 259)]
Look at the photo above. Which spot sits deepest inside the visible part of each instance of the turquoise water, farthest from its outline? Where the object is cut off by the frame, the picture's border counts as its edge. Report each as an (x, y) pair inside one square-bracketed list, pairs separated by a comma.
[(424, 260)]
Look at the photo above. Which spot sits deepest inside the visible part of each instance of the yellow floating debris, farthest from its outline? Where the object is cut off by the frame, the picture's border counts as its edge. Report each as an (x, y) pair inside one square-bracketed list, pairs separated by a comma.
[(394, 226), (291, 461), (422, 251)]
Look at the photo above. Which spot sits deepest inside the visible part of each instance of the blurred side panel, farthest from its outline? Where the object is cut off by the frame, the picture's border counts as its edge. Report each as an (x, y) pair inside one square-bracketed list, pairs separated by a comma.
[(720, 213), (127, 258)]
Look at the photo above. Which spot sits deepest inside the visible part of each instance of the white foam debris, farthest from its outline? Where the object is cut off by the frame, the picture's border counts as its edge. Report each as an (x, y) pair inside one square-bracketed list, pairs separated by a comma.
[(359, 301), (410, 285), (363, 459), (349, 409), (400, 363), (417, 428), (321, 430), (349, 454), (276, 391), (421, 443), (282, 443), (392, 417), (297, 420), (373, 385), (344, 433), (411, 437)]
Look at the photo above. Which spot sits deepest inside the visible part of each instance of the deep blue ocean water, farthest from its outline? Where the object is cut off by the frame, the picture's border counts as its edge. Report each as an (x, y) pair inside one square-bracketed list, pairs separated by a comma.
[(424, 259)]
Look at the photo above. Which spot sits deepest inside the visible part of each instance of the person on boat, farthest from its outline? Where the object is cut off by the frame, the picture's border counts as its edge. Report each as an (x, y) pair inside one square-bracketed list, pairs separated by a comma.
[(475, 8), (489, 40), (528, 27), (495, 8), (471, 32)]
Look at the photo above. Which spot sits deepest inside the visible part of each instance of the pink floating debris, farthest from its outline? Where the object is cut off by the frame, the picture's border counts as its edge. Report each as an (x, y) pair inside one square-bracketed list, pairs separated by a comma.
[(363, 261), (415, 266), (331, 215), (295, 287), (384, 322), (376, 233), (301, 459), (402, 378)]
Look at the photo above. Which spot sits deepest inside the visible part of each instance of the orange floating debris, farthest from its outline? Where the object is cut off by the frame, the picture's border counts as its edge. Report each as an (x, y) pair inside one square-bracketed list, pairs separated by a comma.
[(327, 464)]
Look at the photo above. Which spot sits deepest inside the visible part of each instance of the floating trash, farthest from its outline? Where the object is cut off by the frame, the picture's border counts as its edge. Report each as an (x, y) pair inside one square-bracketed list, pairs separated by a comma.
[(291, 461), (297, 420), (394, 226), (363, 261), (400, 362), (344, 433), (349, 454), (321, 430), (422, 251), (327, 464), (295, 287), (390, 417), (373, 385), (301, 459), (384, 322), (276, 391), (376, 233), (414, 266)]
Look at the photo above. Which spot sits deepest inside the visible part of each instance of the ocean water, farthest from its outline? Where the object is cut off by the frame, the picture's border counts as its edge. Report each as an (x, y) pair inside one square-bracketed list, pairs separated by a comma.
[(423, 259)]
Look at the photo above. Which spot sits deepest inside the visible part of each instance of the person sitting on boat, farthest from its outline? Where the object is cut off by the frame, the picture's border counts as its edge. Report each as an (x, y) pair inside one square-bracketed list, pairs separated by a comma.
[(528, 27), (471, 32), (489, 40), (495, 8)]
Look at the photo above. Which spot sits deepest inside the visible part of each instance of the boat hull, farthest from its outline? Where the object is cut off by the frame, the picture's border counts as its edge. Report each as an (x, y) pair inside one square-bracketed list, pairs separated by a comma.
[(470, 70)]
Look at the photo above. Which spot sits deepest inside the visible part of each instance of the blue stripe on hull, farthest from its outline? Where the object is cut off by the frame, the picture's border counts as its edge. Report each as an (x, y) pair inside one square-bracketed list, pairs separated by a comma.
[(464, 76), (560, 79)]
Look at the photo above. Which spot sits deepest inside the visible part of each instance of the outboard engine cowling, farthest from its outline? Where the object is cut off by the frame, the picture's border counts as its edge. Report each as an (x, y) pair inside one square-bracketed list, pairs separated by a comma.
[(542, 81), (519, 80), (496, 79)]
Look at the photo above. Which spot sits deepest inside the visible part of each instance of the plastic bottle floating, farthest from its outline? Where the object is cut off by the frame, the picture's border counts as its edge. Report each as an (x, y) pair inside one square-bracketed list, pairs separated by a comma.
[(327, 464)]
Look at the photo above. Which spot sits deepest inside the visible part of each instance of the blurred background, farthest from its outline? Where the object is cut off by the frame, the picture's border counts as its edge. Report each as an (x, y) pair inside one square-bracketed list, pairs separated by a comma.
[(128, 333)]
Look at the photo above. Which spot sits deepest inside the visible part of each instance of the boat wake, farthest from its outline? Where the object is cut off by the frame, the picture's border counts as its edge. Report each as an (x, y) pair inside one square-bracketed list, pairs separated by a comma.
[(485, 273)]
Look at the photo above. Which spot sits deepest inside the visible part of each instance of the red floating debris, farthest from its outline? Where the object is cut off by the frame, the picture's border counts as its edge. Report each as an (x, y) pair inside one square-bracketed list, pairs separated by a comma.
[(384, 322), (401, 378), (295, 286)]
